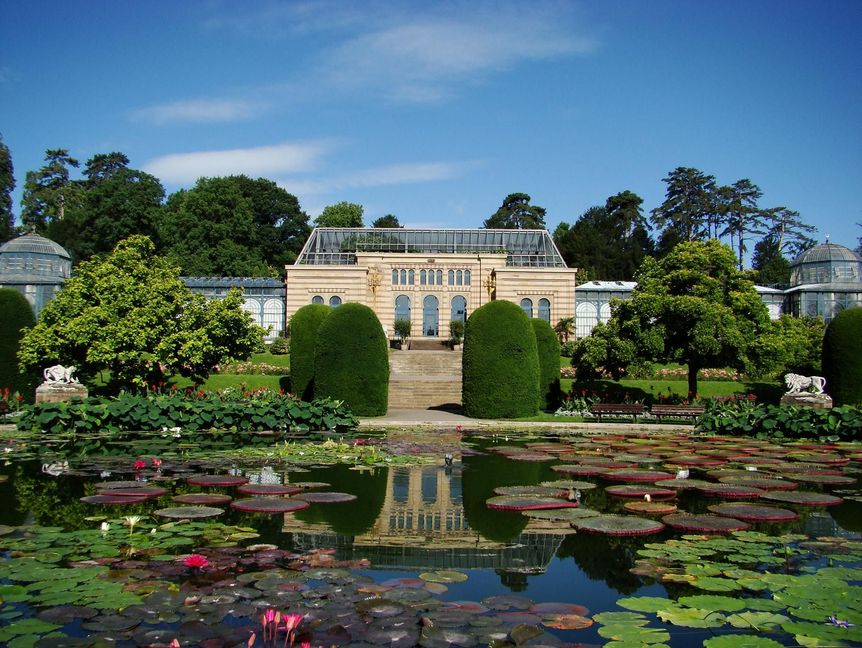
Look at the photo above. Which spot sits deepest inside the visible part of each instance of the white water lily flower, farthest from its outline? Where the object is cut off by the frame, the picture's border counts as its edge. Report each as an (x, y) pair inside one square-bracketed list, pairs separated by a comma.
[(105, 527)]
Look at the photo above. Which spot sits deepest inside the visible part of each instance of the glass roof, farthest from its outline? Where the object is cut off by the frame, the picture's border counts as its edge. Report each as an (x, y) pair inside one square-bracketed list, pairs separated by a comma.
[(523, 248)]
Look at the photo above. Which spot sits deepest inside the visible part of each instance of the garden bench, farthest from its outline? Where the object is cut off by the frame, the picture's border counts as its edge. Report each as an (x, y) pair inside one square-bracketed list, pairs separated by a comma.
[(676, 411), (617, 409)]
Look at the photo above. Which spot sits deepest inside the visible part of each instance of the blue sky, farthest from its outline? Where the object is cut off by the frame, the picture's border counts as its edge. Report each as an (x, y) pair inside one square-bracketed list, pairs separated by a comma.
[(436, 111)]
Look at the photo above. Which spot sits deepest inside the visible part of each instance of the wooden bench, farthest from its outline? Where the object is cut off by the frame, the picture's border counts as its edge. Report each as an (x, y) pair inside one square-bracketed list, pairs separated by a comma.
[(617, 409), (676, 411)]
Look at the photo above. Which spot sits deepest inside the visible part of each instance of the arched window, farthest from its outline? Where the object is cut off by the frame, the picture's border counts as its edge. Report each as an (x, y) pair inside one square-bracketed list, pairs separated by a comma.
[(422, 278), (466, 277), (439, 277), (586, 317), (459, 308), (253, 307), (459, 278), (394, 277), (335, 301), (451, 277), (430, 316), (403, 277), (317, 299), (545, 310), (527, 306), (402, 307), (273, 316), (411, 277), (430, 277)]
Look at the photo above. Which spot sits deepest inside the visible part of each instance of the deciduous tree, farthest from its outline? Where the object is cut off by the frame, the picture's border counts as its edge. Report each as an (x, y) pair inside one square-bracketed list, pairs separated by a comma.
[(132, 316), (516, 212), (343, 214), (389, 220)]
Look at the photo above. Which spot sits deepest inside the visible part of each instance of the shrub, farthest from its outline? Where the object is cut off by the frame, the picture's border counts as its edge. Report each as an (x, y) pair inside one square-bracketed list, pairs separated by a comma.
[(842, 357), (456, 331), (15, 315), (402, 329), (280, 346), (500, 363), (303, 337), (352, 360), (548, 349)]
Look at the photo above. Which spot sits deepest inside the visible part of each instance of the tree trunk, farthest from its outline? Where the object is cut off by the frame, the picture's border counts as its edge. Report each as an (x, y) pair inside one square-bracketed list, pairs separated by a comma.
[(692, 381)]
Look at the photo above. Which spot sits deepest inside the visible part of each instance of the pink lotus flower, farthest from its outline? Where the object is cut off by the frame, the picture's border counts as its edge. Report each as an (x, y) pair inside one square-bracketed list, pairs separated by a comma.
[(157, 462), (196, 561)]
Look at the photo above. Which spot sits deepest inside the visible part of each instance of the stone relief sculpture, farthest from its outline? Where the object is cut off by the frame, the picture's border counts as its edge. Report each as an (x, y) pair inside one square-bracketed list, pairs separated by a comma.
[(797, 384), (58, 374)]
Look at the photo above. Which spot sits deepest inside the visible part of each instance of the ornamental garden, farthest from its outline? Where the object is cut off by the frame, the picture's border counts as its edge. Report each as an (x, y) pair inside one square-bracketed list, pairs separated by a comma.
[(159, 512)]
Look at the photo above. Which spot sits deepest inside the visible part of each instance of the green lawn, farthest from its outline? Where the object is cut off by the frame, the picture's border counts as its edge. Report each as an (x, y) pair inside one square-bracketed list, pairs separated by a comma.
[(271, 359)]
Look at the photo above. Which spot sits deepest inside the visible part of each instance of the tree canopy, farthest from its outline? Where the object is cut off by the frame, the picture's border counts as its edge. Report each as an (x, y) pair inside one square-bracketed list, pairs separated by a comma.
[(389, 220), (49, 191), (516, 212), (7, 185), (692, 307), (132, 316), (343, 214)]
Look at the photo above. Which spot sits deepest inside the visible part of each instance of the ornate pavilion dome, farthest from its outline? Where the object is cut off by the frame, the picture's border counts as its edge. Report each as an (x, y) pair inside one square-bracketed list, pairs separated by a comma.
[(35, 266), (827, 263)]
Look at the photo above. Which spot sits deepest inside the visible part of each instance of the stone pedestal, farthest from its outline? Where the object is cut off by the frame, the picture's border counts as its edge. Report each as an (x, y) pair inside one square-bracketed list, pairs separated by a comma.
[(60, 392), (805, 399)]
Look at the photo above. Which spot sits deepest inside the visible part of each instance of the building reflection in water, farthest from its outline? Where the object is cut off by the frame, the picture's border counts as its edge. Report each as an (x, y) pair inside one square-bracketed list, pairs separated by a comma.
[(422, 525)]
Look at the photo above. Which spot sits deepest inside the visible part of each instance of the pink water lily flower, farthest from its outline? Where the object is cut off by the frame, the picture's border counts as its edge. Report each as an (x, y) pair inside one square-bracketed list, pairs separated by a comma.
[(139, 464), (196, 561)]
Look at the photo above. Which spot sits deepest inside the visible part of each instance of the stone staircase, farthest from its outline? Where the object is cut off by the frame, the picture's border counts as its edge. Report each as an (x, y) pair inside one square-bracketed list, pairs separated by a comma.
[(424, 379)]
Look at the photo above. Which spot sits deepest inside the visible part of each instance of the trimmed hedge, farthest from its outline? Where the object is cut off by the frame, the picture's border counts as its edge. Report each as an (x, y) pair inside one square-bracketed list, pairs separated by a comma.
[(15, 315), (500, 363), (351, 360), (842, 357), (303, 337), (548, 348)]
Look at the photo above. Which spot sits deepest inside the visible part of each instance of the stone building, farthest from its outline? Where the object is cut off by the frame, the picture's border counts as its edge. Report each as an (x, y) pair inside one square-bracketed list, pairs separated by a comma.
[(34, 266), (431, 276)]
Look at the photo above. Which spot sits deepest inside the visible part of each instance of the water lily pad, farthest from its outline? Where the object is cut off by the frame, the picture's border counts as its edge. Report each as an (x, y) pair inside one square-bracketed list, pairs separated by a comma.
[(530, 456), (741, 641), (269, 505), (682, 484), (217, 480), (748, 512), (380, 608), (558, 608), (640, 490), (635, 475), (206, 499), (569, 483), (109, 485), (539, 491), (311, 484), (692, 617), (325, 497), (650, 508), (713, 602), (113, 500), (189, 512), (269, 489), (645, 603), (579, 469), (703, 523), (623, 525), (63, 614), (731, 491), (564, 514), (513, 503), (444, 577), (566, 622), (802, 498), (138, 491), (759, 621), (823, 480)]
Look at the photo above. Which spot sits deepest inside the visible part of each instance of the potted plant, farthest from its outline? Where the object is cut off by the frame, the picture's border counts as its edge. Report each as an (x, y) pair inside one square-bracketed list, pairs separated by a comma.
[(456, 332), (402, 330)]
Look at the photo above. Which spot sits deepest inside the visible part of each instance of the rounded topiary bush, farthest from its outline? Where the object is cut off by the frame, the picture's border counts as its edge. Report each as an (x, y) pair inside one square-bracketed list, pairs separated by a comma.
[(842, 357), (548, 348), (500, 363), (15, 315), (352, 360), (303, 337)]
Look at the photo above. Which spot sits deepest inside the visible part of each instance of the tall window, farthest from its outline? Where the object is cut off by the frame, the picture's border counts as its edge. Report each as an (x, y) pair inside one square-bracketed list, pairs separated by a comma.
[(466, 277), (410, 277), (335, 301), (317, 299), (439, 277), (423, 279), (273, 316), (403, 277), (527, 306), (459, 278), (430, 277), (402, 307), (451, 277), (545, 310), (459, 308), (395, 277)]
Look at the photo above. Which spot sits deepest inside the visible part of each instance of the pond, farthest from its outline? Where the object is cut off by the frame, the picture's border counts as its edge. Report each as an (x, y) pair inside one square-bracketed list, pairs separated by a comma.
[(627, 541)]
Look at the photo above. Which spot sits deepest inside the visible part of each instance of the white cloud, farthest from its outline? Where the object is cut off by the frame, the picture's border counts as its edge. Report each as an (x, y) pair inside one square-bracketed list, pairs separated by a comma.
[(204, 111), (394, 174), (183, 168)]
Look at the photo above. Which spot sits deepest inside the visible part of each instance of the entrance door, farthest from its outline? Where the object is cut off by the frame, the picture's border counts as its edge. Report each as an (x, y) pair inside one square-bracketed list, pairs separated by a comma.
[(430, 316)]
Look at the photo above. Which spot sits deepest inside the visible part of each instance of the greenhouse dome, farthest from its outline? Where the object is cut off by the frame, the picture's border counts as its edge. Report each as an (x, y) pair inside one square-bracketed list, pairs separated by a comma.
[(35, 266)]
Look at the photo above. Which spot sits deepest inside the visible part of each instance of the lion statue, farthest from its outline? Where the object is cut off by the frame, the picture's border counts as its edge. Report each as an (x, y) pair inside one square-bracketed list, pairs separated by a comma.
[(796, 384), (59, 374)]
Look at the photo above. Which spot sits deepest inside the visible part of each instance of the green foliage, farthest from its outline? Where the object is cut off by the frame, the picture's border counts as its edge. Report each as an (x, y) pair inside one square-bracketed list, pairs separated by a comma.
[(190, 412), (389, 220), (351, 360), (689, 204), (132, 316), (604, 352), (7, 185), (49, 191), (842, 357), (771, 267), (303, 339), (516, 212), (15, 315), (500, 363), (280, 346), (402, 329), (777, 422), (343, 214), (456, 330), (548, 349), (788, 344)]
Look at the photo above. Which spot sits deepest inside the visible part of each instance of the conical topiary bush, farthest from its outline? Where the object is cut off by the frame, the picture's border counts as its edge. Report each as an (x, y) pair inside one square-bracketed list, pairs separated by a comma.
[(842, 357)]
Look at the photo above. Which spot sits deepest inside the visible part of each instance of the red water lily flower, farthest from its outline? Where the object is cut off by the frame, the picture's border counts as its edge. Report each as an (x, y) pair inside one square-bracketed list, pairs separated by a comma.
[(139, 464), (196, 561)]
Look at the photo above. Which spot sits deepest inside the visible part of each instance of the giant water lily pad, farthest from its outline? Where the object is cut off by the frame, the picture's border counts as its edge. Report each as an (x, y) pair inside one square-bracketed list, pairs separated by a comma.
[(759, 481), (692, 617), (114, 500), (748, 512), (703, 523), (217, 480), (566, 622), (325, 497), (539, 491), (622, 525), (530, 456), (823, 480), (640, 490), (206, 499), (563, 514), (635, 475), (269, 489), (120, 484), (802, 498), (730, 491), (650, 508), (513, 503), (141, 491), (569, 483), (269, 505), (558, 608), (189, 512), (578, 469)]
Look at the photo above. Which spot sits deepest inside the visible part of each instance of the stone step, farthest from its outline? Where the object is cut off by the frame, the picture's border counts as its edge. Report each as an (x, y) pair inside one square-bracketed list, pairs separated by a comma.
[(424, 394), (424, 379)]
